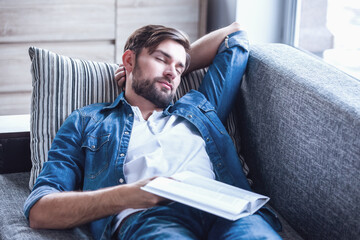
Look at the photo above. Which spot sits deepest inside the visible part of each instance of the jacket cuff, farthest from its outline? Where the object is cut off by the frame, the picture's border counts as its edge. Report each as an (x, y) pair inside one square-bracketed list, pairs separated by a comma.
[(35, 196), (238, 38)]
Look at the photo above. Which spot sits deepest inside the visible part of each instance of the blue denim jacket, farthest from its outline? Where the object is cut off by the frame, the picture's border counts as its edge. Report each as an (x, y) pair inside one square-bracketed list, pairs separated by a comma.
[(89, 150)]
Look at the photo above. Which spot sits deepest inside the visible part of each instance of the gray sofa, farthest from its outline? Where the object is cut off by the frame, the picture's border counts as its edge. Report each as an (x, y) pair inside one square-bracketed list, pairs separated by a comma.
[(299, 123)]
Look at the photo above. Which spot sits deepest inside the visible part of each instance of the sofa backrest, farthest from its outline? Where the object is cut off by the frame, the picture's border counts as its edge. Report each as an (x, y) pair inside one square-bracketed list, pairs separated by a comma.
[(300, 133)]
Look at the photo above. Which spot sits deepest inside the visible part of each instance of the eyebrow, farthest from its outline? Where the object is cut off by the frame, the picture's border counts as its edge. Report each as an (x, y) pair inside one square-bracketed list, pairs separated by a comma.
[(169, 56)]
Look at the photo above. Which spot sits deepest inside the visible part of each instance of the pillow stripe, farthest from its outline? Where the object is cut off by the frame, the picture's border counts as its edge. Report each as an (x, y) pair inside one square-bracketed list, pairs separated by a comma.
[(190, 81), (113, 84)]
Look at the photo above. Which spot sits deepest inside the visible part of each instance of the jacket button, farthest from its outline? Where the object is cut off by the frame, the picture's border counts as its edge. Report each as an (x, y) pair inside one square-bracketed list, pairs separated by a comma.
[(121, 180), (190, 116), (93, 146), (126, 133), (122, 155)]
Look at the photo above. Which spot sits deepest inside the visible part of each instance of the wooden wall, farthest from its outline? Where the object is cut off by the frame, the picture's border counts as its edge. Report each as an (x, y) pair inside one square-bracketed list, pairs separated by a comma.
[(88, 29)]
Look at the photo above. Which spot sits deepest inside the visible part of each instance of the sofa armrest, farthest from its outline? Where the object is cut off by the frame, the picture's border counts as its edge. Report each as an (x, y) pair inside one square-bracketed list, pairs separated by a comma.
[(300, 132)]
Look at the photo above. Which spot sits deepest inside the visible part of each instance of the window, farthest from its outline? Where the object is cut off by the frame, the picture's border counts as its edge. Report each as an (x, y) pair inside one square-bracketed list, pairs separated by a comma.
[(331, 30)]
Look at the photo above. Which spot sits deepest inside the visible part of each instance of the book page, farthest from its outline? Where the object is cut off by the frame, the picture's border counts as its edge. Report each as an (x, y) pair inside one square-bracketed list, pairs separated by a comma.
[(256, 200), (207, 194), (206, 197)]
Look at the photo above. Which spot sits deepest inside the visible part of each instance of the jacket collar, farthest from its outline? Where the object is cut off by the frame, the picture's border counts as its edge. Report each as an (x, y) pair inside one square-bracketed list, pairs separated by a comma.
[(118, 100)]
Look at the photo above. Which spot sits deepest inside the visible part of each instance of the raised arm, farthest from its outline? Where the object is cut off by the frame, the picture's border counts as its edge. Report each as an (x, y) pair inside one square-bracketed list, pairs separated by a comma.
[(204, 50), (222, 81)]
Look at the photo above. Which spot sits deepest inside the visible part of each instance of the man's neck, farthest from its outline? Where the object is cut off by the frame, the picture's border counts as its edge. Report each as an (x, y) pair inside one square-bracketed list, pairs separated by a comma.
[(146, 107)]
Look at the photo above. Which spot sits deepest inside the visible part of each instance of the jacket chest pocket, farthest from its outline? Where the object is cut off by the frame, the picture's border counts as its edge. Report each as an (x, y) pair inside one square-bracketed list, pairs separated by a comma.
[(96, 152), (214, 119)]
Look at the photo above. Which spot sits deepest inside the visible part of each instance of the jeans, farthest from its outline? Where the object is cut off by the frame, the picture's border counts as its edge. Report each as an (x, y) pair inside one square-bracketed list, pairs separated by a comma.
[(177, 221)]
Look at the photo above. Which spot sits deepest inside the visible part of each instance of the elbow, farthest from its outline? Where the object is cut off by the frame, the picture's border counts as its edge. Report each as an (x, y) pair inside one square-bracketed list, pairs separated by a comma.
[(33, 224), (35, 221), (42, 219), (39, 218), (235, 27)]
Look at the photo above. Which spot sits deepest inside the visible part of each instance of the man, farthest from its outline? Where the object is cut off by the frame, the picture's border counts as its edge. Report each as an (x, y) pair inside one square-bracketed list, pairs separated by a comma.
[(110, 150)]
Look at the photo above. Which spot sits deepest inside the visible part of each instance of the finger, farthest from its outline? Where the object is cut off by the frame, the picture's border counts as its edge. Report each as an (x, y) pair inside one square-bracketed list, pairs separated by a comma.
[(119, 69), (119, 75), (121, 82)]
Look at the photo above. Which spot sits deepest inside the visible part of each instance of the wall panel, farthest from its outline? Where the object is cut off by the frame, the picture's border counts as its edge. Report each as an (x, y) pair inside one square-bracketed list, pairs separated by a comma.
[(15, 61), (56, 20), (15, 103)]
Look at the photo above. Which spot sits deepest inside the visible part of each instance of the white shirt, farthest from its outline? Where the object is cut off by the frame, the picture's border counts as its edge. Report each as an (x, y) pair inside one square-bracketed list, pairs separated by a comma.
[(162, 146)]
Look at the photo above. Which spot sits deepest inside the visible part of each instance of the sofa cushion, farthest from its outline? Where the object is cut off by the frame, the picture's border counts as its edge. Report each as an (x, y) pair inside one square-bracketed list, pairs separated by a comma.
[(13, 224), (62, 84)]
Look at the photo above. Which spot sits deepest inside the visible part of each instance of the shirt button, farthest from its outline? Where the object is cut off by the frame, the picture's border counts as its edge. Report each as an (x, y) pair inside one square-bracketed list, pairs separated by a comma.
[(121, 155), (121, 180), (126, 133), (190, 116), (130, 115)]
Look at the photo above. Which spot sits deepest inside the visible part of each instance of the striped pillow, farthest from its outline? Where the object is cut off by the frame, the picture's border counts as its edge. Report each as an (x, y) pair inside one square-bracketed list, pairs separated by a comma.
[(62, 84)]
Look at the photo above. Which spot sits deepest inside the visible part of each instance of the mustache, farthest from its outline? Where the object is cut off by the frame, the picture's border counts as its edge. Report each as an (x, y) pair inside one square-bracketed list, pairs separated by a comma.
[(167, 79), (164, 79)]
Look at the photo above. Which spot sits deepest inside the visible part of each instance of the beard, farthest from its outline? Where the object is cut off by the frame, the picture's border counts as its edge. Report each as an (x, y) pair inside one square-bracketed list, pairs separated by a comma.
[(148, 90)]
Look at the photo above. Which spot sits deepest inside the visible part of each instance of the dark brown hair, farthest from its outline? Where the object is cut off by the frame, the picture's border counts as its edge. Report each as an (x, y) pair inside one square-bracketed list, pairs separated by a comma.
[(151, 36)]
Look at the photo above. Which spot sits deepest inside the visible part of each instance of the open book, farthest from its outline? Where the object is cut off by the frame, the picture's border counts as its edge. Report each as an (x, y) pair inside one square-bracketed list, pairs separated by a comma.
[(207, 194)]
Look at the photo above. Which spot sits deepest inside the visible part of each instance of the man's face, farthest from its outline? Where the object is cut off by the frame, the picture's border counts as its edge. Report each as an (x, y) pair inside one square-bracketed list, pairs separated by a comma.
[(157, 75)]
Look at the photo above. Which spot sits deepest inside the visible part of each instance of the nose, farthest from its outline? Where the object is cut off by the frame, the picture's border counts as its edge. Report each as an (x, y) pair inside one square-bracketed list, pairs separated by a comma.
[(170, 72)]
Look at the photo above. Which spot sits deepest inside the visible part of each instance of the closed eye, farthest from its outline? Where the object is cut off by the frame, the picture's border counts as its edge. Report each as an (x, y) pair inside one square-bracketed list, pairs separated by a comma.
[(160, 59)]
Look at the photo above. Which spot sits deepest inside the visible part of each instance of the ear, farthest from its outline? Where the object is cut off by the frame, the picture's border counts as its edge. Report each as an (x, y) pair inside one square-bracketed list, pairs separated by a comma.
[(128, 59)]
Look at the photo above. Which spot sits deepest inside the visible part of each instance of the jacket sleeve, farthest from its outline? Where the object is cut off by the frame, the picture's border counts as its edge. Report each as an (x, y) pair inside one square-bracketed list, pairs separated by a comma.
[(223, 78), (64, 169)]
